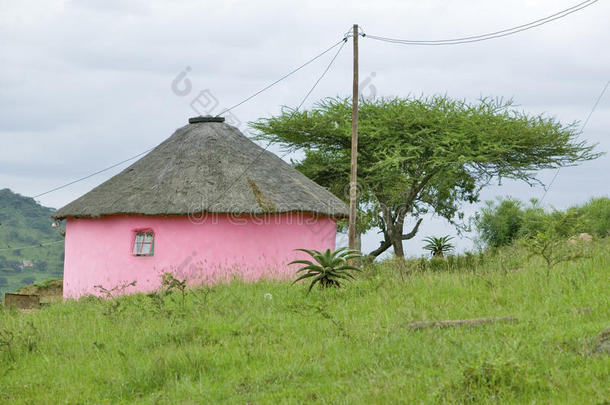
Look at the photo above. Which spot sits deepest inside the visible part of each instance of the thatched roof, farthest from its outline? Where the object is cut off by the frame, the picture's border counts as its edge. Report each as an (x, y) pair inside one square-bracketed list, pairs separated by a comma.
[(206, 166)]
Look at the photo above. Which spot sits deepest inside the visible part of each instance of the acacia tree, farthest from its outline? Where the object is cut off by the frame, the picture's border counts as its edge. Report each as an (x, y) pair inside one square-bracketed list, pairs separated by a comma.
[(420, 155)]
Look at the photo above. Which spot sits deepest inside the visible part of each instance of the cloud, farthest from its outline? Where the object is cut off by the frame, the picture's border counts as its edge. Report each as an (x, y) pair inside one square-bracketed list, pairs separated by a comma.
[(84, 85)]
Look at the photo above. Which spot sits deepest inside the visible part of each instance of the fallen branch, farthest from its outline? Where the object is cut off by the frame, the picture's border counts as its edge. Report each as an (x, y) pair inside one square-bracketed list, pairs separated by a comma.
[(459, 322)]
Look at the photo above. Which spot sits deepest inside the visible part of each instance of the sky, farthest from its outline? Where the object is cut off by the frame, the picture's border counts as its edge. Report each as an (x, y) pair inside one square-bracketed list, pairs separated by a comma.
[(87, 84)]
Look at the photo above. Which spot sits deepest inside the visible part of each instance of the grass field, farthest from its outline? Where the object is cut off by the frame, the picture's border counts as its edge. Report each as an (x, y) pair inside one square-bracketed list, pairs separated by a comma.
[(269, 342)]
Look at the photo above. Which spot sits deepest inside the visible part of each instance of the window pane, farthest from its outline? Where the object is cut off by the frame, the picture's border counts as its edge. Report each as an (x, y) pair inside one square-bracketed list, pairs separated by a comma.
[(143, 244), (145, 249), (137, 245)]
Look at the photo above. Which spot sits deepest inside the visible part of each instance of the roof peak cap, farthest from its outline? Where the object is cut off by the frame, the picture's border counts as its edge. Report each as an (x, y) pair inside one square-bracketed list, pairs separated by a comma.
[(206, 118)]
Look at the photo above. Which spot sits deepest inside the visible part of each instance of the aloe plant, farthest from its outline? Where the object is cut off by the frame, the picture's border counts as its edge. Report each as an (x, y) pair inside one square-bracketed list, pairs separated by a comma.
[(330, 269), (438, 246)]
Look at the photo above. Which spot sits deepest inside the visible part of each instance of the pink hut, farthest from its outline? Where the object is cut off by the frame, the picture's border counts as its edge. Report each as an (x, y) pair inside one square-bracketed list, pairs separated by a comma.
[(207, 205)]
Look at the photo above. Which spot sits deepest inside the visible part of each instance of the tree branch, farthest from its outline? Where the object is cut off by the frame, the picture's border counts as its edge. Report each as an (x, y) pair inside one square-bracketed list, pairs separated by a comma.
[(413, 193), (387, 242), (413, 231), (383, 246)]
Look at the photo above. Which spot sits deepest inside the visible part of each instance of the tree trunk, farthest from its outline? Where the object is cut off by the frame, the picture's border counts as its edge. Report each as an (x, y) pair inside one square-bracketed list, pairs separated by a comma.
[(393, 237), (398, 248)]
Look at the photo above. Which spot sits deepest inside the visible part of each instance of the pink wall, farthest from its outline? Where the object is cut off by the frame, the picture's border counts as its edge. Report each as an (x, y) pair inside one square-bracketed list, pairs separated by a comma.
[(201, 250)]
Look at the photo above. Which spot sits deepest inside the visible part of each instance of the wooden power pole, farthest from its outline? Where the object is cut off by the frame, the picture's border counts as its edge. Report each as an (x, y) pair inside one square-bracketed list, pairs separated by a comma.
[(353, 190)]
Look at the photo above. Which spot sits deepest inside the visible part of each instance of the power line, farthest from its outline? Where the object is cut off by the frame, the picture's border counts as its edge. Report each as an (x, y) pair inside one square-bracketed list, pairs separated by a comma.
[(282, 78), (93, 174), (323, 74), (581, 131), (342, 41), (490, 35)]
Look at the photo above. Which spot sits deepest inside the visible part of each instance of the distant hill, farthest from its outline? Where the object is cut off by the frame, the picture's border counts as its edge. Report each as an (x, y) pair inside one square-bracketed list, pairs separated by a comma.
[(31, 250)]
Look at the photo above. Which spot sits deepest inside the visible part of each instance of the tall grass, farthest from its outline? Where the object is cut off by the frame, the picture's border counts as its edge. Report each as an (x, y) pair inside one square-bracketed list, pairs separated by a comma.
[(269, 342)]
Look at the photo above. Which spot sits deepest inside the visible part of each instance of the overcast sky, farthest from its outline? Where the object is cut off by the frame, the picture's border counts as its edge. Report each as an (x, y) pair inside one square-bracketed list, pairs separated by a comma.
[(86, 84)]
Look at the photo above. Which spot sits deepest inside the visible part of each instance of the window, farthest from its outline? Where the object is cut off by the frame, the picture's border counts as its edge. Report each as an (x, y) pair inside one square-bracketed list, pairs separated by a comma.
[(144, 244)]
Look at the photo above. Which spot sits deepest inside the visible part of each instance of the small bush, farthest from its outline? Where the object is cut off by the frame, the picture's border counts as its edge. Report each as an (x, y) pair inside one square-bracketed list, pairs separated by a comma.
[(437, 264), (502, 222), (439, 246), (551, 242), (595, 216), (499, 223), (332, 267)]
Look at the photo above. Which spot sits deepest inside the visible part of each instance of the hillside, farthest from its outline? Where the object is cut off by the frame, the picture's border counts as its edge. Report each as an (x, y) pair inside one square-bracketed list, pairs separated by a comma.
[(269, 342), (24, 226)]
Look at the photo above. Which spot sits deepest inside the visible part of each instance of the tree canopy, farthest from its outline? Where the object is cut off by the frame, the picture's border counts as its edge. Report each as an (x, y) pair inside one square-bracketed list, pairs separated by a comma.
[(420, 155)]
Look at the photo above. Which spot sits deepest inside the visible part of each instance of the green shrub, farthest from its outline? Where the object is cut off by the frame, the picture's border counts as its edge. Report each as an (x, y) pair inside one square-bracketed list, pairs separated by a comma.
[(499, 222), (439, 246), (502, 222), (596, 216), (438, 264), (551, 241), (464, 262), (533, 220), (332, 267)]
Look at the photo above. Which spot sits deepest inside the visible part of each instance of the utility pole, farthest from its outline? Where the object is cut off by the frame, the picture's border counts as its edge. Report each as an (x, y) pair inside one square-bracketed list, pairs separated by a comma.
[(353, 191)]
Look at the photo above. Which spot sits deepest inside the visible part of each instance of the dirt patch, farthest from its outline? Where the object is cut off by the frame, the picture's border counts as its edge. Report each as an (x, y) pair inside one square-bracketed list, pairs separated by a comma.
[(603, 342)]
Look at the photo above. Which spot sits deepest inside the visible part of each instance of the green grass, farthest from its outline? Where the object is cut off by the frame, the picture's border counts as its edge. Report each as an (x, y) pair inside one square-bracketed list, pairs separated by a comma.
[(231, 343)]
